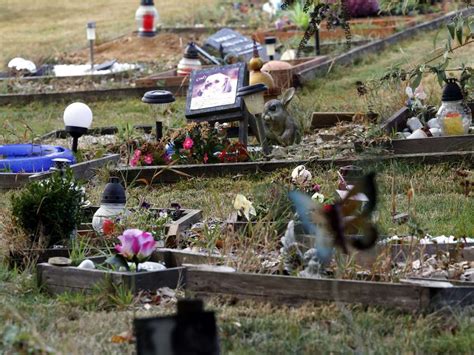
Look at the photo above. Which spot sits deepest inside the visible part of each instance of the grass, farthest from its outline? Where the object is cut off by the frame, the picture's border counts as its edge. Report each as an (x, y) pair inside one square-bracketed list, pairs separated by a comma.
[(32, 322), (335, 92), (44, 30), (35, 323)]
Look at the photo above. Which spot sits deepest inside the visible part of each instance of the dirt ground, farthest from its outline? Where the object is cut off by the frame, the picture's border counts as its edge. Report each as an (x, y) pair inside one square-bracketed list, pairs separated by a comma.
[(166, 48)]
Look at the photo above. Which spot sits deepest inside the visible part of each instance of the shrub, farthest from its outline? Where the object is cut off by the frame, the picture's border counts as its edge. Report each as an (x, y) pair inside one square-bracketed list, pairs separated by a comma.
[(49, 210)]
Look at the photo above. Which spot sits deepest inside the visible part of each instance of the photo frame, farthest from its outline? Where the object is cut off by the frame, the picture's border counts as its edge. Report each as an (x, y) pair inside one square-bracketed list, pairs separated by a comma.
[(213, 91)]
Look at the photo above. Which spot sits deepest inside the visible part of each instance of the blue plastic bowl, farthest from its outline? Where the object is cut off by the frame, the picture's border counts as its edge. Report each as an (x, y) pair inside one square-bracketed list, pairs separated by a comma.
[(31, 158)]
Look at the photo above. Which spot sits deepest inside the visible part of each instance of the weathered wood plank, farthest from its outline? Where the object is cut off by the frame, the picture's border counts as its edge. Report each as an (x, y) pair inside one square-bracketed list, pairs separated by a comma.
[(168, 174), (186, 221), (295, 290), (53, 278), (96, 131), (84, 170), (176, 258), (397, 121), (330, 119), (89, 95), (463, 143)]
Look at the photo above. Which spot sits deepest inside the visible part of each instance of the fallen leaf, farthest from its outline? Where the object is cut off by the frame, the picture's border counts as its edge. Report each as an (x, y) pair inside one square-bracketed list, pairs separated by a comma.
[(123, 338)]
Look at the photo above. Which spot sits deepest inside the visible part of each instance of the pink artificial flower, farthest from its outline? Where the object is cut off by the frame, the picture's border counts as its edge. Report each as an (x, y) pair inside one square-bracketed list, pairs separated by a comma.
[(188, 143), (137, 153), (148, 159), (206, 158), (136, 246), (134, 161)]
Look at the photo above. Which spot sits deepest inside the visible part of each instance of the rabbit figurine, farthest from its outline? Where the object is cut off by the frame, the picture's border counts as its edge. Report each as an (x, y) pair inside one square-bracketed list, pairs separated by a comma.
[(280, 127)]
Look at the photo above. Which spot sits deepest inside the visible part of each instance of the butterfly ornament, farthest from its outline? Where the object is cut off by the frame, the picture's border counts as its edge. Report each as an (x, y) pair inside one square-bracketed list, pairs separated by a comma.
[(331, 224)]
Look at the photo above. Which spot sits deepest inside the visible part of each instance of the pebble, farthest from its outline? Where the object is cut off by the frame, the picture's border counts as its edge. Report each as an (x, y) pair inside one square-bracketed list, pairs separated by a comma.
[(86, 264), (59, 261), (151, 266), (468, 275)]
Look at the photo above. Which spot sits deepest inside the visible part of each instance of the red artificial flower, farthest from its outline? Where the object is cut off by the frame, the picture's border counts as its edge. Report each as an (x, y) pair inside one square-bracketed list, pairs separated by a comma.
[(108, 227)]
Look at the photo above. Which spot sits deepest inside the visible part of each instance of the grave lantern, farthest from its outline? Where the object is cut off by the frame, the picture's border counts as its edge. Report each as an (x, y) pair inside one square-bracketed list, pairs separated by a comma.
[(90, 30), (160, 101), (112, 204), (453, 116), (77, 120), (254, 102), (147, 18), (270, 44), (190, 60)]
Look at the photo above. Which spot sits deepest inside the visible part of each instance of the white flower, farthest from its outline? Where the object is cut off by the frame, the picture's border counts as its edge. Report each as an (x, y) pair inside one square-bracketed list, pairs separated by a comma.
[(319, 197), (244, 206), (418, 94), (301, 176)]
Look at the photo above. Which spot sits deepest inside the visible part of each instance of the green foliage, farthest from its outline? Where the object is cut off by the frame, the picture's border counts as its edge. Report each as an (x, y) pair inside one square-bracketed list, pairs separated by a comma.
[(460, 34), (79, 251), (49, 210), (298, 16), (335, 13)]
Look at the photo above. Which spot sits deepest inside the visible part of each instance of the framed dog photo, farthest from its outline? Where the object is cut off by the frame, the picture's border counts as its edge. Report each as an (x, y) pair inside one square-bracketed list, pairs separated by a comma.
[(213, 91)]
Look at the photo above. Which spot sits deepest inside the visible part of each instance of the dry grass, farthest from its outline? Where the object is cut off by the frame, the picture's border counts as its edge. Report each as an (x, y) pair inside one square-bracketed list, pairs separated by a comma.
[(44, 29)]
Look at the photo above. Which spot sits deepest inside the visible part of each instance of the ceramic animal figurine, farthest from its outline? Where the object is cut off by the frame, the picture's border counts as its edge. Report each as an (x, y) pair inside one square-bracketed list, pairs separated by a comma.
[(280, 126)]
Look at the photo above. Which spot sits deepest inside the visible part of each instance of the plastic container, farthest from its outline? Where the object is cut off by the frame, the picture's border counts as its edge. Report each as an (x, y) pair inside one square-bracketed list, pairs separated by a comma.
[(31, 158), (112, 204), (453, 116)]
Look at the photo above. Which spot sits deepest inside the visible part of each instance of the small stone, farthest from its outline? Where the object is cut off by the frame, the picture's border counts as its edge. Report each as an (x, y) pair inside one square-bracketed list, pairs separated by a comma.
[(60, 261), (86, 264), (468, 275), (416, 264), (151, 266)]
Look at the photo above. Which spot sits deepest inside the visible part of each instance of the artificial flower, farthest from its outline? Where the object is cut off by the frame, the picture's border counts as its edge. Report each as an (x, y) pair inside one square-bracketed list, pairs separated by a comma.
[(134, 161), (108, 227), (148, 159), (170, 149), (188, 143), (418, 94), (136, 245), (319, 197), (244, 207), (301, 176)]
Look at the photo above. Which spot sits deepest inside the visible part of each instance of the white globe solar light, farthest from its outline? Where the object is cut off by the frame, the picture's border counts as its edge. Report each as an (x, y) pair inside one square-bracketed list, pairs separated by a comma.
[(253, 97), (77, 120), (90, 31)]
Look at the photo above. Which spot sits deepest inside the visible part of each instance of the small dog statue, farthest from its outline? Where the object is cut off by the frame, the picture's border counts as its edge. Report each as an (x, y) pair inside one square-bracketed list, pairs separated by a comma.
[(280, 126)]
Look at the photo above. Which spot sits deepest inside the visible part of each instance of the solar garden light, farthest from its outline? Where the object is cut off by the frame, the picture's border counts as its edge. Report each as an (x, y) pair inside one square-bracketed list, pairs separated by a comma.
[(90, 30), (60, 164), (254, 102), (270, 43), (190, 60), (147, 18), (161, 100), (112, 204), (77, 119)]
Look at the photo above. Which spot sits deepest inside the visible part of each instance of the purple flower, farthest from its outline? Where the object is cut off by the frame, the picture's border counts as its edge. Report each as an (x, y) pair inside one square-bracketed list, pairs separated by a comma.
[(136, 245)]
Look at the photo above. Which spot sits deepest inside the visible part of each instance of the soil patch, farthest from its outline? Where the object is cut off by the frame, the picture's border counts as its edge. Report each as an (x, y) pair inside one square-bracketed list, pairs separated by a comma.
[(165, 49)]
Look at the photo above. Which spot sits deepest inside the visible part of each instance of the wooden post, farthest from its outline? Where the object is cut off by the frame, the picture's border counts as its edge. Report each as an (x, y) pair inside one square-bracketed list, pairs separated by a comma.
[(244, 128)]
